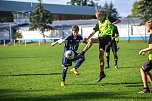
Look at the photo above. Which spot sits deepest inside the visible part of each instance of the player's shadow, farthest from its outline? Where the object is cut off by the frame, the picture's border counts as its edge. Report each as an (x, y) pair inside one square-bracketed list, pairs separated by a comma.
[(121, 83), (84, 84), (32, 74), (126, 84), (74, 96), (120, 67), (19, 57)]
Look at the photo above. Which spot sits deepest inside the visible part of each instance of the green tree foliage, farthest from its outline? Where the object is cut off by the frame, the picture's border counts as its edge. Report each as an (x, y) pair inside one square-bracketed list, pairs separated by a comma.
[(16, 35), (82, 2), (135, 10), (110, 10), (145, 9), (142, 9), (40, 19)]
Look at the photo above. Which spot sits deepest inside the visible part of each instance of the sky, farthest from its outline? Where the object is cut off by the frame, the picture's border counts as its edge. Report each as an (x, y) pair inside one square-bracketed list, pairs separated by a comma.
[(123, 6)]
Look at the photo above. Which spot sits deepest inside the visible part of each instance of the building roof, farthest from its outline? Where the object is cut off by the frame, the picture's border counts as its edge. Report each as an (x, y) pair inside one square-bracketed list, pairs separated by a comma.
[(15, 6)]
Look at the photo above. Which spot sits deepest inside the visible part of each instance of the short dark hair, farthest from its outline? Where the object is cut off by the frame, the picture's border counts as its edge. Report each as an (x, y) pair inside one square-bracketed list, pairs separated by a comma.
[(99, 11), (75, 27)]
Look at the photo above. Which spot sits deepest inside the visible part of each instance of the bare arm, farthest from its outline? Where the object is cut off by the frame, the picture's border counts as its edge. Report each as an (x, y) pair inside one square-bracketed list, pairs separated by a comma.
[(90, 35), (117, 21), (57, 42), (54, 43), (117, 35), (143, 51)]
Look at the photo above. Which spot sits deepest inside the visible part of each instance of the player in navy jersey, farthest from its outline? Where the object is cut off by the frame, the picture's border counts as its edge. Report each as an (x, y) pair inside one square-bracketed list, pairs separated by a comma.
[(71, 43), (147, 66)]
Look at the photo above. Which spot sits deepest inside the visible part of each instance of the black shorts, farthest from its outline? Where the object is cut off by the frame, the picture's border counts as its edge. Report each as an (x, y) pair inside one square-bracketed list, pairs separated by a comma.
[(147, 66), (103, 41)]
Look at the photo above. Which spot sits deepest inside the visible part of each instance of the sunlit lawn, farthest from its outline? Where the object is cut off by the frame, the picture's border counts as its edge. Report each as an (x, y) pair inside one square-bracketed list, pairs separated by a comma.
[(33, 73)]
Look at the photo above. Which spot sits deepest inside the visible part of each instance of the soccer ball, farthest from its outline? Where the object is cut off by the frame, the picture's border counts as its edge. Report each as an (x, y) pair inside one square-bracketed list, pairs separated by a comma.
[(69, 54)]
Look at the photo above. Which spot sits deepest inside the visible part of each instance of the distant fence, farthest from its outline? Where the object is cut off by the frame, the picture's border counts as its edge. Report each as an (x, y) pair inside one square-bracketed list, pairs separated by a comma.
[(126, 32)]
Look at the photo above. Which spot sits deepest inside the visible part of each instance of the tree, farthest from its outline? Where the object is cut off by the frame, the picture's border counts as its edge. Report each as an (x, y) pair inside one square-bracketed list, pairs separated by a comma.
[(40, 19), (16, 35), (106, 6), (110, 10), (82, 2), (74, 2), (145, 9), (142, 9), (91, 3), (135, 10)]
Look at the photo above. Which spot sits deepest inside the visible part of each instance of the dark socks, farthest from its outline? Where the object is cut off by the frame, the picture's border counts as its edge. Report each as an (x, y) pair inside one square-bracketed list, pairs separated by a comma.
[(107, 60), (82, 53), (116, 60), (64, 74)]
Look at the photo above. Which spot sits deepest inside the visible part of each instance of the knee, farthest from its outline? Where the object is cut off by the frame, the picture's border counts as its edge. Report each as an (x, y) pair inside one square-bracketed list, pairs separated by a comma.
[(82, 59), (101, 58), (107, 53), (90, 41), (65, 68), (101, 52), (141, 69)]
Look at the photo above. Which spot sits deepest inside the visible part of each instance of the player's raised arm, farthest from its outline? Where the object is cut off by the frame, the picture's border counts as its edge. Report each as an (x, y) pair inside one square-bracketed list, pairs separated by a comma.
[(60, 41)]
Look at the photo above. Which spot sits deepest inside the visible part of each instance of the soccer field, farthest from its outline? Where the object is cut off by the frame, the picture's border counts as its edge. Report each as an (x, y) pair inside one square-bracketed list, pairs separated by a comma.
[(33, 73)]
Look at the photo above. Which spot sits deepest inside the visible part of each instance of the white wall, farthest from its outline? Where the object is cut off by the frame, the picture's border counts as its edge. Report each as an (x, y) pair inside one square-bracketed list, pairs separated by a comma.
[(124, 32)]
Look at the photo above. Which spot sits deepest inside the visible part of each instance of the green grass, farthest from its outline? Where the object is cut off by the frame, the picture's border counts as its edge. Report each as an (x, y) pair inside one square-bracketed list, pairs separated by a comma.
[(33, 73)]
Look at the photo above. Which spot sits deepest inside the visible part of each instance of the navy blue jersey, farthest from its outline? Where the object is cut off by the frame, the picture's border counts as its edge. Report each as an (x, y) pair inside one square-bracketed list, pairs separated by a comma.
[(72, 43)]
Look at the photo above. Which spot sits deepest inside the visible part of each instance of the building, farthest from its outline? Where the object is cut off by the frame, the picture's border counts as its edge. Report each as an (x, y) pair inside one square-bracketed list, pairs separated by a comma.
[(13, 13), (20, 11)]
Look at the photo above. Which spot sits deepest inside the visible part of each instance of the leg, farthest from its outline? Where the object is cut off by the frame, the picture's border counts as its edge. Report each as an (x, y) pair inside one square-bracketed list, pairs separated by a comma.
[(103, 41), (89, 44), (101, 57), (114, 50), (149, 76), (77, 65), (65, 63), (64, 75), (117, 45), (108, 59), (64, 72), (144, 77), (79, 62), (87, 47), (115, 59)]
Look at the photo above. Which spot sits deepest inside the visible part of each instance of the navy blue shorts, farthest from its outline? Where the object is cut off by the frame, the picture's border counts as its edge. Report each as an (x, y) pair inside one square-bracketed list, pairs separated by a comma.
[(68, 62), (147, 66)]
